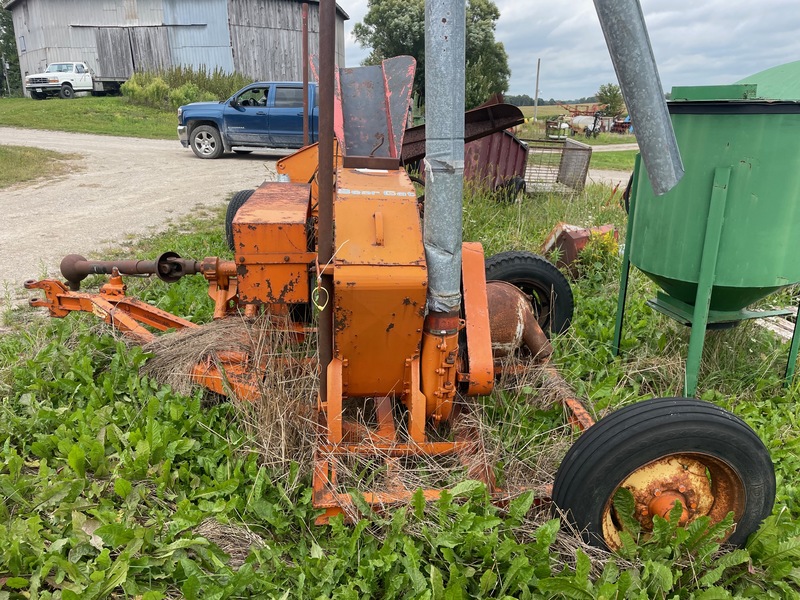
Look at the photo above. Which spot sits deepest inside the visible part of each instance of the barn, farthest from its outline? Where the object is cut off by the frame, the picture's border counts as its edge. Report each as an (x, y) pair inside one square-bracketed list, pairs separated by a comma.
[(261, 39)]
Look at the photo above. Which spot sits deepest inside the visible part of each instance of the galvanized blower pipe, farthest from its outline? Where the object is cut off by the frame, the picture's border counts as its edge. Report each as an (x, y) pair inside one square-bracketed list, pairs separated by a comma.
[(445, 35), (629, 45)]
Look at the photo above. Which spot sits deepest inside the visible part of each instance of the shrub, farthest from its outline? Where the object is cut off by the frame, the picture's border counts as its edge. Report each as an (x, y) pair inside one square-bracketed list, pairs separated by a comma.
[(180, 85), (187, 93), (156, 93)]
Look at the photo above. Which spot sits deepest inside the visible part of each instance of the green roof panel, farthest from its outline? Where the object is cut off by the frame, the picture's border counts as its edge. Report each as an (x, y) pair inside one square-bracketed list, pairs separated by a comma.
[(777, 83)]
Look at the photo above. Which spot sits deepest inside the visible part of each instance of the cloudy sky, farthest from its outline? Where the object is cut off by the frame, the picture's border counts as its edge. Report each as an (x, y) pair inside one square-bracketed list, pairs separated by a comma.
[(695, 42)]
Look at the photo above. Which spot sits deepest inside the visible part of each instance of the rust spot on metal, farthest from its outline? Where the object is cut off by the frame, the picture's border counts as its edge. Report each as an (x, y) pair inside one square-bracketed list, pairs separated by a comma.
[(703, 484)]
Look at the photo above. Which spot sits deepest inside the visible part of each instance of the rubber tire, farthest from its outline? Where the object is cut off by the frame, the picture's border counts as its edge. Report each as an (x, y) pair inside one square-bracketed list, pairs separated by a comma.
[(539, 278), (239, 198), (216, 141), (38, 95), (67, 93), (630, 438), (511, 189)]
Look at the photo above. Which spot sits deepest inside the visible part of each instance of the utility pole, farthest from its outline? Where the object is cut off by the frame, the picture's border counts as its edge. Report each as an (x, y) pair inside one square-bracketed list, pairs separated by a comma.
[(536, 98)]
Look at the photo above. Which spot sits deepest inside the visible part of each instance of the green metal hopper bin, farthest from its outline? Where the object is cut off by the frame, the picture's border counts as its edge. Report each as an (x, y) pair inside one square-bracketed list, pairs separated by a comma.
[(726, 235)]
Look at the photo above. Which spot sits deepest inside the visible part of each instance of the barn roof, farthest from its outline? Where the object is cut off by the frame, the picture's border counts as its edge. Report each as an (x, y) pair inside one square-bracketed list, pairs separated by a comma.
[(777, 83), (7, 4)]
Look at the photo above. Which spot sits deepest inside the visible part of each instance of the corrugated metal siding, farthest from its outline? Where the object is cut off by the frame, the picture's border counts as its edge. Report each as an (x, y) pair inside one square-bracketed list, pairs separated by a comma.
[(198, 33)]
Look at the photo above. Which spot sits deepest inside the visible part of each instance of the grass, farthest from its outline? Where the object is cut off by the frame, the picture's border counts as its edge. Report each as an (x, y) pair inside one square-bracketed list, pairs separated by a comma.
[(543, 112), (609, 139), (614, 161), (20, 164), (109, 115), (118, 486)]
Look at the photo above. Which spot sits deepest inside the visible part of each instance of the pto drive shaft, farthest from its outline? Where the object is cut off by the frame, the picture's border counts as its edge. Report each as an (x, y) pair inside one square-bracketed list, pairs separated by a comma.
[(169, 267)]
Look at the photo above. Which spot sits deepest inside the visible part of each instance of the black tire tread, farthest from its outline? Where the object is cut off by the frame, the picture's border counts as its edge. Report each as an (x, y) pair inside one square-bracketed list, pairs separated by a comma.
[(639, 431), (501, 266), (239, 198)]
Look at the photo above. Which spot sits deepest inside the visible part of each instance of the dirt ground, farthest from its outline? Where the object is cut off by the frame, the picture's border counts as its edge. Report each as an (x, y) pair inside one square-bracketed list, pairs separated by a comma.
[(119, 187)]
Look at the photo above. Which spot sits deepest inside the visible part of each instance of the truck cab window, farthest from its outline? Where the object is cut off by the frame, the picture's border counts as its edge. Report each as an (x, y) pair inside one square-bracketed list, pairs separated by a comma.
[(288, 97), (253, 97)]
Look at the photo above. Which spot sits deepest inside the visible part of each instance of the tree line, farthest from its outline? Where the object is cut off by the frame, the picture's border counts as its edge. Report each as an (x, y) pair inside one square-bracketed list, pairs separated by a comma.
[(608, 95), (526, 100), (10, 77)]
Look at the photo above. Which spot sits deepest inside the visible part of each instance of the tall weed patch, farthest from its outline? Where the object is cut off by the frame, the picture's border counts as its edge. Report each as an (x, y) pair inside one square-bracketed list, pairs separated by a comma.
[(181, 85)]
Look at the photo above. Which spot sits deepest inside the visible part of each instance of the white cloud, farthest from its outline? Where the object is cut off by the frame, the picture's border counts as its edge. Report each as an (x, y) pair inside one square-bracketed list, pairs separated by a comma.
[(695, 42)]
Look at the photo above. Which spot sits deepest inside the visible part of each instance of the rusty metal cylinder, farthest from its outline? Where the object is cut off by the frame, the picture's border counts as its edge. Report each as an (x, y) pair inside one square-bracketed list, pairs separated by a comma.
[(438, 363), (168, 267), (512, 322)]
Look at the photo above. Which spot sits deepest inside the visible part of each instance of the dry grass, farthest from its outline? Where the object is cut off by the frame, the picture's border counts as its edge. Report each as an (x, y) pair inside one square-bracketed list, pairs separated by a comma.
[(234, 540), (280, 420), (282, 429)]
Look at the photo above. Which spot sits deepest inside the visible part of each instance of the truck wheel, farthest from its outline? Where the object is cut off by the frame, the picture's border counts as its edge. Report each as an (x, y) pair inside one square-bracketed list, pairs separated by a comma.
[(234, 205), (639, 461), (67, 93), (38, 95), (546, 286), (206, 142)]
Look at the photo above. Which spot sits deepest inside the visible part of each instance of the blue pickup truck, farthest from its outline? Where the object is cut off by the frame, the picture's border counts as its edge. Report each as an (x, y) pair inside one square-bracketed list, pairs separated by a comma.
[(260, 115)]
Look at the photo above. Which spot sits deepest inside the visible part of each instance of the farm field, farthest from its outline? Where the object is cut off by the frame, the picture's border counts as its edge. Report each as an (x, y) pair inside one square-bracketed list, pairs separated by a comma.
[(117, 485)]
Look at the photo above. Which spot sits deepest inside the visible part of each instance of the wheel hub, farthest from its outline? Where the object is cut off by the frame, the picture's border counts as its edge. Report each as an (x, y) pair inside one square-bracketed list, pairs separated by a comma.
[(702, 484)]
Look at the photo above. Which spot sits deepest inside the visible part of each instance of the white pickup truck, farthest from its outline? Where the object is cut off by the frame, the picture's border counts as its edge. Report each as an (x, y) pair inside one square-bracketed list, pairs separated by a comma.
[(63, 79)]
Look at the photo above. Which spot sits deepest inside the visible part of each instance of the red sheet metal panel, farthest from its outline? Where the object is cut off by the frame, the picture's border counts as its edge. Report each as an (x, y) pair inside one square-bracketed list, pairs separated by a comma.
[(495, 159)]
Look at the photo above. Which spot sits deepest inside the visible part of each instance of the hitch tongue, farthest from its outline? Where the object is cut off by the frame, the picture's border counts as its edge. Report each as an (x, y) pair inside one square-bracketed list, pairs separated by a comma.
[(169, 267)]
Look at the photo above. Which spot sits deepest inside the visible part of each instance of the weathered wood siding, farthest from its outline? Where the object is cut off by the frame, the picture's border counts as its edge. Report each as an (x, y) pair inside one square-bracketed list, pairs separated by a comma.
[(113, 52), (267, 37), (259, 38)]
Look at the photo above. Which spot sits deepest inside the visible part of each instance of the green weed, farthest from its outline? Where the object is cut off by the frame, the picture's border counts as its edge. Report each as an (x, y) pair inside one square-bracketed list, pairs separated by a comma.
[(181, 85), (115, 486)]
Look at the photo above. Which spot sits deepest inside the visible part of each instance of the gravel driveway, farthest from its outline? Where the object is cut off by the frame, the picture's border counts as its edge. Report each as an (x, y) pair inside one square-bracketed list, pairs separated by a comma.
[(118, 187)]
